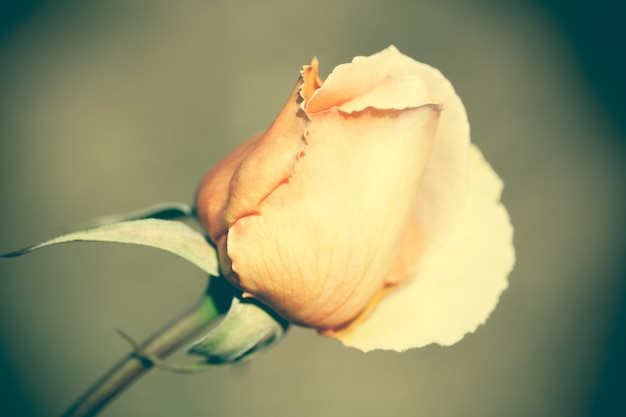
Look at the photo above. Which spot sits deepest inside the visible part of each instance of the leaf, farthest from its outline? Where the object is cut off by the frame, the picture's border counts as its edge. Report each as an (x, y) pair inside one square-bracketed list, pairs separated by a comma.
[(168, 235), (169, 210)]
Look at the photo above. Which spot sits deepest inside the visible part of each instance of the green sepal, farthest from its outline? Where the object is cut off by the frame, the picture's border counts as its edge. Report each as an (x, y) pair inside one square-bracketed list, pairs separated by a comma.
[(248, 329)]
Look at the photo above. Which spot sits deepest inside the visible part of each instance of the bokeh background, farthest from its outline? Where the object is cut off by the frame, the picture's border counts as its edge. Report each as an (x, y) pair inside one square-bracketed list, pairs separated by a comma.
[(109, 106)]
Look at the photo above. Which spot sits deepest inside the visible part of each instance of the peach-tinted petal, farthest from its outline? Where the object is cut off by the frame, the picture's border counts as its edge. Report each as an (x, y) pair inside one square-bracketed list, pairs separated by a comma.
[(456, 286), (213, 191), (279, 148), (322, 244), (310, 79), (237, 186)]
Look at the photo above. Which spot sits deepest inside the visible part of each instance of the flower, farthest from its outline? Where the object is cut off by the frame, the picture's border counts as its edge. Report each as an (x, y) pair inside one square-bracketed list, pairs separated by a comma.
[(363, 211)]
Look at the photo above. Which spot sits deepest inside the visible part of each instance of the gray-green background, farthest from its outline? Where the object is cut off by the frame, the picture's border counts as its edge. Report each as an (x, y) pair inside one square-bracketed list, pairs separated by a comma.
[(110, 106)]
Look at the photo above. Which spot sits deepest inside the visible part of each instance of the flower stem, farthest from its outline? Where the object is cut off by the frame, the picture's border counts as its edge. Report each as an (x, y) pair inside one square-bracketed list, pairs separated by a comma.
[(215, 302)]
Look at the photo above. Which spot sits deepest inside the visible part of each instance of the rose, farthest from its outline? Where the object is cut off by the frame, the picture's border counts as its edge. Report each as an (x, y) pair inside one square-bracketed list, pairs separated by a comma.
[(363, 211)]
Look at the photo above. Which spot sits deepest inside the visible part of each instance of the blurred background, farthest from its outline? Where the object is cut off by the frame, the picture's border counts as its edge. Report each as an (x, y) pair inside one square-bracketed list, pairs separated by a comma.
[(110, 106)]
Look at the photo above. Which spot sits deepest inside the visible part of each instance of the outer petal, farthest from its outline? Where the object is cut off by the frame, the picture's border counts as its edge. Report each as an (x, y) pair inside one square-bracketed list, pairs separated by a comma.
[(213, 192), (238, 184), (323, 243), (456, 287)]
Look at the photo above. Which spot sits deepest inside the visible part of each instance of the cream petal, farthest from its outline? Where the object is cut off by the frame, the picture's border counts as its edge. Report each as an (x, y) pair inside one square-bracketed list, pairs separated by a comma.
[(456, 287), (386, 80), (443, 187), (323, 243)]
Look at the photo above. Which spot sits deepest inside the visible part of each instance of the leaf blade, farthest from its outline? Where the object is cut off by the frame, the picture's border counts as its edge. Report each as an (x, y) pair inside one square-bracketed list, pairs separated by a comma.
[(171, 236)]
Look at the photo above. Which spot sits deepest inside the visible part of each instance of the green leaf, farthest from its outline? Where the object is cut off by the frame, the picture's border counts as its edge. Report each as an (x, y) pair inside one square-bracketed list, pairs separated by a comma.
[(169, 210), (168, 235)]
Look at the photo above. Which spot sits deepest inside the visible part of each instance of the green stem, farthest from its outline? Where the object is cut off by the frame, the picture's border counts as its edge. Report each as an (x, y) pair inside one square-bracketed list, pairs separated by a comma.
[(172, 337)]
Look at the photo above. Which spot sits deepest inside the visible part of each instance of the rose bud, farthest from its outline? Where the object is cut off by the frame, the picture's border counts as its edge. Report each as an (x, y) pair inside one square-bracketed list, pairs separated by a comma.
[(363, 211)]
